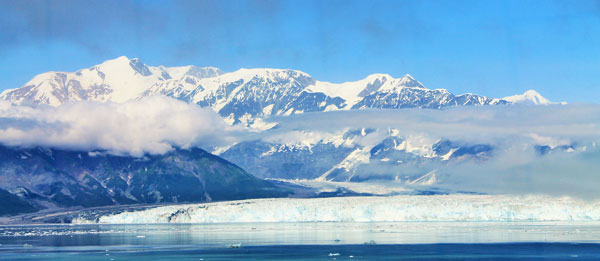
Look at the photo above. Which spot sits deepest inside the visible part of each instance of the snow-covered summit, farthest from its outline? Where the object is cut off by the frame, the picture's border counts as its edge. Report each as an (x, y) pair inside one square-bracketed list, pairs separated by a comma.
[(117, 80), (529, 97), (408, 81), (353, 92)]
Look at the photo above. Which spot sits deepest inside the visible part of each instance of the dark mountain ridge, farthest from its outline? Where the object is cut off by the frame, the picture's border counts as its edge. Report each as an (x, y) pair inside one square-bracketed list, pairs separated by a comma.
[(39, 178)]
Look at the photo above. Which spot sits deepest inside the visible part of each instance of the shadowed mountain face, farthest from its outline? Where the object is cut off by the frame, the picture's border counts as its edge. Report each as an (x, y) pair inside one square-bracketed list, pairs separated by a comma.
[(39, 178), (11, 204)]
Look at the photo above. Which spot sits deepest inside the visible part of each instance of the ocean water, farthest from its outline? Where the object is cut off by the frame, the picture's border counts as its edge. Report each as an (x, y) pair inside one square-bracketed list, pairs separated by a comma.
[(304, 241)]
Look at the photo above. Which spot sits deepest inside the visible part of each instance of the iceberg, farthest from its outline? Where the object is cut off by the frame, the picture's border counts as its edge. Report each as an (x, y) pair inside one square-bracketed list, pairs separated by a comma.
[(462, 208)]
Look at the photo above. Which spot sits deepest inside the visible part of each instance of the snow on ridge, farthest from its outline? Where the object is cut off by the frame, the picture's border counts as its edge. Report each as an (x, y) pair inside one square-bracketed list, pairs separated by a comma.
[(270, 73), (123, 79), (468, 208), (118, 80), (353, 91), (529, 97)]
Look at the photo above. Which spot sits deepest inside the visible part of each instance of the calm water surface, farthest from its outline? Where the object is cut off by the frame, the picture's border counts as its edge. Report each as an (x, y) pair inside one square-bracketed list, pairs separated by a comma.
[(303, 241)]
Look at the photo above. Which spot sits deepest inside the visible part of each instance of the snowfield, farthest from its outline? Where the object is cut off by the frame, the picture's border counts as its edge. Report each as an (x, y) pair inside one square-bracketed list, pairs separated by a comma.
[(465, 208)]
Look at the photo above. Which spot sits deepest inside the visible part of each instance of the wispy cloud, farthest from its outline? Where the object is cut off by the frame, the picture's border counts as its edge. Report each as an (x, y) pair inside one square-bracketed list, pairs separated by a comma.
[(489, 124)]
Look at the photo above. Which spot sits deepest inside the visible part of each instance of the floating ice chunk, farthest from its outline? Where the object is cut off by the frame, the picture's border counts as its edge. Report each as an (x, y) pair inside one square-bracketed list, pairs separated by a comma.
[(238, 245)]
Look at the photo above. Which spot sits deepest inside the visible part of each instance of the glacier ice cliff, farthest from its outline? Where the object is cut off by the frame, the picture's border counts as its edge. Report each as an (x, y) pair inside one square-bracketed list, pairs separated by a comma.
[(503, 208)]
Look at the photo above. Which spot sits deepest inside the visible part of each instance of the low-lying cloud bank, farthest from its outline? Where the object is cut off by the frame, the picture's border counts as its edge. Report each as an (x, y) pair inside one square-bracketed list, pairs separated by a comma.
[(516, 164), (151, 125), (560, 173), (158, 124), (554, 124)]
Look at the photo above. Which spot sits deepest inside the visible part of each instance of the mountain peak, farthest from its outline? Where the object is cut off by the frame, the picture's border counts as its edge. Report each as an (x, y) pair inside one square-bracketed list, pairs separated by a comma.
[(408, 81), (379, 76), (123, 64), (117, 62), (408, 77), (528, 97), (532, 93), (120, 59)]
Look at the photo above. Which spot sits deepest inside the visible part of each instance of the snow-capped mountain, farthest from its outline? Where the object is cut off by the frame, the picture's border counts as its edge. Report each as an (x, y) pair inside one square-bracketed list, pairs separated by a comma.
[(239, 96), (115, 80), (529, 97), (351, 155), (358, 155)]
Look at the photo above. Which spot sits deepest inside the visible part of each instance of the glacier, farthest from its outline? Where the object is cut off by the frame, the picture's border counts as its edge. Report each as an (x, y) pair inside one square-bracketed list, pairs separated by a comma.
[(442, 208)]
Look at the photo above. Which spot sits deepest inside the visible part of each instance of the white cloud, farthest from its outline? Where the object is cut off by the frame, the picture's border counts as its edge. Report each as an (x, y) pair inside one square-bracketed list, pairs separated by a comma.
[(151, 125), (513, 131), (157, 124), (554, 124), (518, 172)]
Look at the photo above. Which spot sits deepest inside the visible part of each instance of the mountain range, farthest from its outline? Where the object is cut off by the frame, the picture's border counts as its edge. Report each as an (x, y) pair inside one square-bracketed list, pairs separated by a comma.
[(243, 95)]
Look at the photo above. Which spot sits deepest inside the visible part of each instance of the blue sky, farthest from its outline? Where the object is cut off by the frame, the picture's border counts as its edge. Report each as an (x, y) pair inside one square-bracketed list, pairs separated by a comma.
[(493, 48)]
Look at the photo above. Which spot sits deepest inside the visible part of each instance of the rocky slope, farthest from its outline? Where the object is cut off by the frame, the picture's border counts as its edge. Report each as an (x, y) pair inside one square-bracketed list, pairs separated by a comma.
[(46, 178)]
